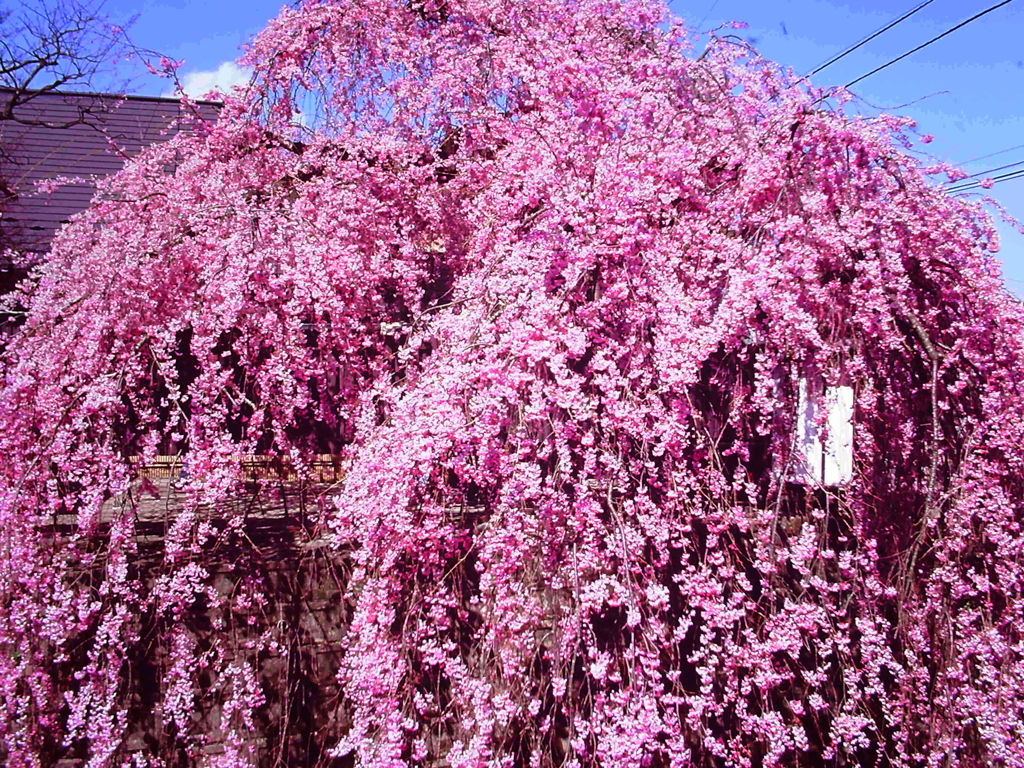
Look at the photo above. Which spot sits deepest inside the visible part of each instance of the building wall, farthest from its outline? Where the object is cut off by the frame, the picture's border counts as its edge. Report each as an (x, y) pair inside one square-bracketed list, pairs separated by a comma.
[(76, 135), (305, 616)]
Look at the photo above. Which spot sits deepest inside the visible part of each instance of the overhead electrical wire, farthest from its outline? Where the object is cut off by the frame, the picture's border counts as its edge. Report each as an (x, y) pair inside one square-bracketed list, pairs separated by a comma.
[(869, 38), (986, 173), (995, 180), (706, 14), (933, 40), (986, 157), (960, 185)]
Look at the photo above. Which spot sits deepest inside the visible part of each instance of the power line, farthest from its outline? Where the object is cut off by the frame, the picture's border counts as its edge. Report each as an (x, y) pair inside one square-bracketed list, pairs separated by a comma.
[(995, 180), (986, 157), (925, 45), (986, 173), (706, 14), (869, 38)]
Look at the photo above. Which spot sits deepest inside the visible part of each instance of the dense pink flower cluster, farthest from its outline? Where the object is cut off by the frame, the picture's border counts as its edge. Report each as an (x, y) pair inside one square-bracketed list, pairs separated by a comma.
[(548, 285)]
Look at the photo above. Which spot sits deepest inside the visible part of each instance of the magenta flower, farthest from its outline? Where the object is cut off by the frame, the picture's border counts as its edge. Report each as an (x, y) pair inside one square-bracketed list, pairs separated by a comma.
[(549, 397)]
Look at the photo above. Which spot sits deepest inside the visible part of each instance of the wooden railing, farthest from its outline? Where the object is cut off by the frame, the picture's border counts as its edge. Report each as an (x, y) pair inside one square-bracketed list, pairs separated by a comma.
[(324, 468)]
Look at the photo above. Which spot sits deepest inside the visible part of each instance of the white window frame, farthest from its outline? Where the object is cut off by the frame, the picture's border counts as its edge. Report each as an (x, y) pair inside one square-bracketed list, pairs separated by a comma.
[(823, 443)]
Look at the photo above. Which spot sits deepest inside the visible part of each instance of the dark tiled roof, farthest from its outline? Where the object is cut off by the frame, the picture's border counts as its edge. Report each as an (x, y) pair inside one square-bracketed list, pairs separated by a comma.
[(72, 138)]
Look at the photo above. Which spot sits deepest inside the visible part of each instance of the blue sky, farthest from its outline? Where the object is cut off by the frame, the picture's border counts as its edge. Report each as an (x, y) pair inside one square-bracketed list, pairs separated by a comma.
[(966, 90)]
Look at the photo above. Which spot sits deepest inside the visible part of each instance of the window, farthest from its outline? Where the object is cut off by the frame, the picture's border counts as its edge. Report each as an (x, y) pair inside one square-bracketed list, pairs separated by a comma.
[(824, 433)]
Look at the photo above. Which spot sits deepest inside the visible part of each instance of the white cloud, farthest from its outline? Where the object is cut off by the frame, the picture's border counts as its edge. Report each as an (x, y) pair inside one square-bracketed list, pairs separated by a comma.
[(224, 79)]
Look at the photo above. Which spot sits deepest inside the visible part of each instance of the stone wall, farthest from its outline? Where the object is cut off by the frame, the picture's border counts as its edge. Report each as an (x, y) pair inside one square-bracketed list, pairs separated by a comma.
[(293, 638)]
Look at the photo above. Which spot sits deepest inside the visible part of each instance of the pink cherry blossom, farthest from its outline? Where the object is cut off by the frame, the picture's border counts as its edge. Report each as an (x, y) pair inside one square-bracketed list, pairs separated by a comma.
[(547, 288)]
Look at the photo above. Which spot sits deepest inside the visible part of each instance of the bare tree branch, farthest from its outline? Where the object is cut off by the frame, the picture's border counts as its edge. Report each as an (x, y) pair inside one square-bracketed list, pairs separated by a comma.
[(51, 45)]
